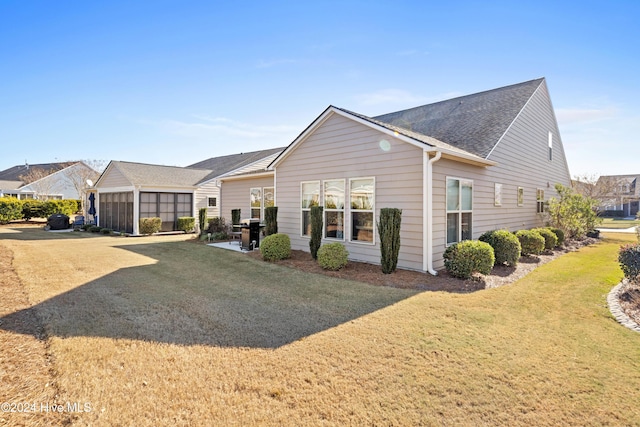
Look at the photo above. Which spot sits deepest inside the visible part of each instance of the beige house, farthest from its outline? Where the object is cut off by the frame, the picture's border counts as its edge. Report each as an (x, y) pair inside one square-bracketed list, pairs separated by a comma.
[(456, 168)]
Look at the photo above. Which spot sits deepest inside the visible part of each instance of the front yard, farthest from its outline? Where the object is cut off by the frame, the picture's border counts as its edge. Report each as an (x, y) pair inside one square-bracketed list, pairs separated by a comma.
[(159, 331)]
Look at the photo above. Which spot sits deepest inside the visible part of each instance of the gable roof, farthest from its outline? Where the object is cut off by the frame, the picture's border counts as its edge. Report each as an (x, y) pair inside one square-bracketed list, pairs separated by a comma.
[(157, 175), (16, 172), (474, 123), (225, 164), (466, 128)]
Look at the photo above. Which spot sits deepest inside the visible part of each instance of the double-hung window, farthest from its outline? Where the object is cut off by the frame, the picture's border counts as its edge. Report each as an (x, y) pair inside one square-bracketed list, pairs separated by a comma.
[(540, 200), (459, 209), (256, 202), (334, 209), (310, 196), (362, 203)]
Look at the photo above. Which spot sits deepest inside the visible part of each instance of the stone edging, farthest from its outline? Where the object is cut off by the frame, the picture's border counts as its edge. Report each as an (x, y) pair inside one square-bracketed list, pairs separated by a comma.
[(616, 309)]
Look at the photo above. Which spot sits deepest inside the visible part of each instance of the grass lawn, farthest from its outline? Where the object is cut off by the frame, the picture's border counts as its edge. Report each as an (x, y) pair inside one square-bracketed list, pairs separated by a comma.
[(618, 223), (157, 331)]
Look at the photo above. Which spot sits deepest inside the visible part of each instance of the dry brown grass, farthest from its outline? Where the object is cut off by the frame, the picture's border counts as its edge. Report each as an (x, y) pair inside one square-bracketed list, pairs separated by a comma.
[(151, 331)]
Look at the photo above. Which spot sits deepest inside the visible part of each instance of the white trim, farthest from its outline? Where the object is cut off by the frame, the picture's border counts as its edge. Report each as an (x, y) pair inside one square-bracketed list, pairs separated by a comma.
[(460, 210), (427, 211)]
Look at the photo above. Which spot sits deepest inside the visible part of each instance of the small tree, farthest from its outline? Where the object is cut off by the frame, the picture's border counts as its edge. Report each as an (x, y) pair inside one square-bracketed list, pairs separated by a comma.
[(389, 231), (573, 212), (271, 220), (316, 230)]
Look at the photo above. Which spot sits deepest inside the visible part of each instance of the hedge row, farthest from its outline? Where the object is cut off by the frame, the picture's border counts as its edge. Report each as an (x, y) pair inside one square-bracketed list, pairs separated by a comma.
[(12, 209)]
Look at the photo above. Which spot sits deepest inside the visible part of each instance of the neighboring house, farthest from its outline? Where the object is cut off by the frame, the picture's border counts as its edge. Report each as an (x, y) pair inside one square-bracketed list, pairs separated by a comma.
[(456, 168), (128, 191), (623, 193), (66, 180)]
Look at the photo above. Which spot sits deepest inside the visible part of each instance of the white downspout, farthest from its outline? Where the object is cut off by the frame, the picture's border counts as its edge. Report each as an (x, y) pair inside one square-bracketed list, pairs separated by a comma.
[(427, 207)]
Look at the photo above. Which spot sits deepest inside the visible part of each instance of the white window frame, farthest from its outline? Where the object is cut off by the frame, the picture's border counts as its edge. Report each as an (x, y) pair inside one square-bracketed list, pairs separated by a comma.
[(497, 194), (349, 228), (520, 196), (550, 146), (460, 211), (251, 207), (307, 209), (539, 200), (327, 210)]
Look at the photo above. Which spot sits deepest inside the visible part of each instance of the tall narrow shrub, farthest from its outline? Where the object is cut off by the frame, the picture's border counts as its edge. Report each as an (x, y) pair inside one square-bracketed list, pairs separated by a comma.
[(235, 218), (271, 220), (202, 219), (316, 230), (389, 231)]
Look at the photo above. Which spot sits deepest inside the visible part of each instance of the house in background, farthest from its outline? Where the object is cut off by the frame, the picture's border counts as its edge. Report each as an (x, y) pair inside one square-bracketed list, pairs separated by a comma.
[(623, 194), (456, 168), (128, 191), (64, 180)]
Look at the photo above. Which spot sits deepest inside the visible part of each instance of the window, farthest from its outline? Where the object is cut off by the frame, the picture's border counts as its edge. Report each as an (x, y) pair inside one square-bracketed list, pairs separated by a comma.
[(334, 209), (167, 206), (459, 209), (256, 202), (550, 146), (520, 196), (362, 203), (539, 200), (269, 197), (212, 202), (497, 196), (310, 196)]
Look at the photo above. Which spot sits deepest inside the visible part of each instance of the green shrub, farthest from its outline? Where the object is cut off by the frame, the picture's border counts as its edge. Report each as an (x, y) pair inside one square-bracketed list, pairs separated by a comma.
[(10, 209), (271, 220), (531, 242), (559, 234), (333, 256), (275, 247), (572, 212), (506, 246), (106, 231), (186, 224), (467, 257), (550, 238), (220, 235), (217, 225), (150, 225), (32, 208), (389, 231), (629, 259), (86, 227), (202, 219), (316, 230), (95, 229), (66, 207)]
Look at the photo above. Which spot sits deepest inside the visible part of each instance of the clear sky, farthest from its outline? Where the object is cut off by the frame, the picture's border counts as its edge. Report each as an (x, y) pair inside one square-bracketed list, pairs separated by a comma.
[(176, 82)]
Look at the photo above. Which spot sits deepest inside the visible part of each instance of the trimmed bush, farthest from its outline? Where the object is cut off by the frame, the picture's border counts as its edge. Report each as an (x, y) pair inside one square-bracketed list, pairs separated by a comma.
[(275, 247), (389, 231), (316, 230), (202, 219), (559, 234), (10, 209), (531, 242), (106, 231), (550, 238), (66, 207), (217, 225), (186, 224), (506, 246), (32, 208), (95, 229), (629, 259), (333, 256), (467, 257), (271, 220), (150, 225)]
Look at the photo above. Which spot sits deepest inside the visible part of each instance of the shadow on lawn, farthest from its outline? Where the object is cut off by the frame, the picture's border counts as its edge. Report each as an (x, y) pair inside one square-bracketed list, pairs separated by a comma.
[(198, 295)]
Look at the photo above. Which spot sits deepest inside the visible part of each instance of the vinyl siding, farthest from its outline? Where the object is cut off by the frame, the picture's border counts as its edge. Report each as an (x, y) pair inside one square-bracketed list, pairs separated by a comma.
[(202, 194), (342, 149), (114, 178), (235, 194), (523, 161)]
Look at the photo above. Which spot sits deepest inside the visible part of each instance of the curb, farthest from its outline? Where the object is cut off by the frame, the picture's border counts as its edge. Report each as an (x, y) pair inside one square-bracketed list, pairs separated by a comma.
[(616, 310)]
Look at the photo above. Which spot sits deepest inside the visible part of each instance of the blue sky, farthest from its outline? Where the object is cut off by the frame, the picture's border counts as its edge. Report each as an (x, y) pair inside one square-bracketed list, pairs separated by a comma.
[(176, 82)]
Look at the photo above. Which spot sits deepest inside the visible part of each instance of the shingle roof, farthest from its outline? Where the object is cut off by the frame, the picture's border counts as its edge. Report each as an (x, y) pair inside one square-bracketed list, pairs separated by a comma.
[(158, 175), (14, 173), (225, 164), (473, 123)]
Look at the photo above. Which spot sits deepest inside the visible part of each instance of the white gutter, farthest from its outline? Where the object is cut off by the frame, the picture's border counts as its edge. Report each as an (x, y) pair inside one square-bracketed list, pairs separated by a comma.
[(427, 207)]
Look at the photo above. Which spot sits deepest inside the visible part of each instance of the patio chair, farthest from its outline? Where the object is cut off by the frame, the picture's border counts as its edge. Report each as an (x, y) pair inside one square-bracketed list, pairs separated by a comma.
[(78, 221)]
